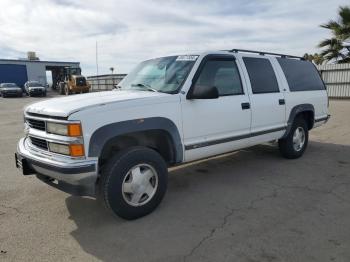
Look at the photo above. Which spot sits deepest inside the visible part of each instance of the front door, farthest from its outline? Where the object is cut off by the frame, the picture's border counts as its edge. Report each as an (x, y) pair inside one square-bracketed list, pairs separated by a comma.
[(213, 126)]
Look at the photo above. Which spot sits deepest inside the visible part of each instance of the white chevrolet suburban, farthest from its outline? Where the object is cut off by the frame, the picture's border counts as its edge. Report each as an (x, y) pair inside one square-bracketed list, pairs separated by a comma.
[(117, 145)]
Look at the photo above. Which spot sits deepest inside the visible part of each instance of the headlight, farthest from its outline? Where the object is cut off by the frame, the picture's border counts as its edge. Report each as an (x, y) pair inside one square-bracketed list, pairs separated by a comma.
[(64, 129), (75, 150), (59, 148)]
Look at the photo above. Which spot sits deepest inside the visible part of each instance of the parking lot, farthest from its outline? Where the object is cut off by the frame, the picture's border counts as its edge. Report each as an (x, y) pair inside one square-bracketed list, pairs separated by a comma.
[(251, 205)]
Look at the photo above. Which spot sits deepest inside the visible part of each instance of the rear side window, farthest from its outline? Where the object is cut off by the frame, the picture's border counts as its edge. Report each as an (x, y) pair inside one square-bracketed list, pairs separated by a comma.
[(301, 75), (261, 74)]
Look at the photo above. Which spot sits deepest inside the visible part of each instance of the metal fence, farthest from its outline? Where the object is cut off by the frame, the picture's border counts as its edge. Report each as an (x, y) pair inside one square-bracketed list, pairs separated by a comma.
[(337, 79), (104, 82)]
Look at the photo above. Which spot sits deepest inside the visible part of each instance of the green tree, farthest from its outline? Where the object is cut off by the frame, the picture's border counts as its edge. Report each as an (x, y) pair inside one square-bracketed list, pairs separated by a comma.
[(337, 48), (315, 58)]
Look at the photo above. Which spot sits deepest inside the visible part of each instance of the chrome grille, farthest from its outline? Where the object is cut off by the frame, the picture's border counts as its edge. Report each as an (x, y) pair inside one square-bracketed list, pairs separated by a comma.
[(36, 124), (40, 143)]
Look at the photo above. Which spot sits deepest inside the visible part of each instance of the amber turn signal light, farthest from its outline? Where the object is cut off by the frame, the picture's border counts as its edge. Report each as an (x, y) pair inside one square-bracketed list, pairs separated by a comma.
[(76, 150), (74, 130)]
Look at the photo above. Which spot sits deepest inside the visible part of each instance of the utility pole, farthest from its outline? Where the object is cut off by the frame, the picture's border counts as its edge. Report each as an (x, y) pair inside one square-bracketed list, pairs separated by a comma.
[(98, 82)]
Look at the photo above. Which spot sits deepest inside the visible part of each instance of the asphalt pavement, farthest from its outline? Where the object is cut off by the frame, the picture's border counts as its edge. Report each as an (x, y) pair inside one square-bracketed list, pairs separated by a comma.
[(251, 205)]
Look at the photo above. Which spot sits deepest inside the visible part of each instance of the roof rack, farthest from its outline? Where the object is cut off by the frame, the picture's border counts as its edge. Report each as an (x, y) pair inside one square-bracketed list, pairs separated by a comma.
[(264, 53)]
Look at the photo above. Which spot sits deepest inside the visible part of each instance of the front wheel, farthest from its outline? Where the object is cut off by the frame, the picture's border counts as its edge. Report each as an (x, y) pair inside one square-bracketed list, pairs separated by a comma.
[(66, 90), (133, 182), (294, 145), (61, 88)]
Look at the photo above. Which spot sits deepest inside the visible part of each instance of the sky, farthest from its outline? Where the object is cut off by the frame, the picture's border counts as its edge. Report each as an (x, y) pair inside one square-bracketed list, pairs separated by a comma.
[(129, 31)]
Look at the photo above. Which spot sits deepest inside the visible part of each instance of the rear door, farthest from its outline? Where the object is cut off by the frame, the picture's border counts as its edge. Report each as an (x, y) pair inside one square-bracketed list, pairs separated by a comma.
[(267, 99)]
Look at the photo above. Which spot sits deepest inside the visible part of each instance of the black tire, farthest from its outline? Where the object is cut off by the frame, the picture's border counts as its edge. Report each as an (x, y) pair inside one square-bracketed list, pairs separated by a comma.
[(61, 88), (67, 92), (116, 171), (286, 145)]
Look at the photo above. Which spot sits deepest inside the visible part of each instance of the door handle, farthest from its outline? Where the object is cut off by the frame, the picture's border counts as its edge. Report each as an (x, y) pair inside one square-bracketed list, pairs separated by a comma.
[(281, 101), (245, 106)]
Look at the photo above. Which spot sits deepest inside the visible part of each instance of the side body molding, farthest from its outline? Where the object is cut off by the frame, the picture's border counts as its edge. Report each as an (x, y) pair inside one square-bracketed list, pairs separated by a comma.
[(103, 134), (296, 110)]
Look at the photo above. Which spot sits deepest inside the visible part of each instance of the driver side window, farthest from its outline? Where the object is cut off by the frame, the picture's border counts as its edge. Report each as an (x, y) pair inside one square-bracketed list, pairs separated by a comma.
[(223, 74)]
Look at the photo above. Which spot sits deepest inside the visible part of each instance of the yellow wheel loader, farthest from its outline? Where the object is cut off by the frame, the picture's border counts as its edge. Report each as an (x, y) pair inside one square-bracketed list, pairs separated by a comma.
[(72, 82)]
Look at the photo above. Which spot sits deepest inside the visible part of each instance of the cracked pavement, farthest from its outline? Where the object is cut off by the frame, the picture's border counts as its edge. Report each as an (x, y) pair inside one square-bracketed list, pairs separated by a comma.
[(250, 205)]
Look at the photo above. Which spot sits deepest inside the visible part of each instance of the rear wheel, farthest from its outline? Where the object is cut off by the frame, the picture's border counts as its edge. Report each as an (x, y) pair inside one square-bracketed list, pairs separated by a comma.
[(134, 182), (294, 145)]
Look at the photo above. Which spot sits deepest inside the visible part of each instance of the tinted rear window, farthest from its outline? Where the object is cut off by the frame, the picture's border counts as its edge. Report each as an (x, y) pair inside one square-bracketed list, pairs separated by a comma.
[(261, 75), (301, 75)]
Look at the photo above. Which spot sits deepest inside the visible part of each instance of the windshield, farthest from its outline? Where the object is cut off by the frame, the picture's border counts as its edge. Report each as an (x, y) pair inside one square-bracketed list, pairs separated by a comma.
[(34, 84), (8, 85), (73, 71), (165, 74)]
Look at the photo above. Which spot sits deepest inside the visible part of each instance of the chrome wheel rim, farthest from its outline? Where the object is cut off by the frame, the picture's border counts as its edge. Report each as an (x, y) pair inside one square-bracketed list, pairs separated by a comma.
[(140, 185), (298, 139)]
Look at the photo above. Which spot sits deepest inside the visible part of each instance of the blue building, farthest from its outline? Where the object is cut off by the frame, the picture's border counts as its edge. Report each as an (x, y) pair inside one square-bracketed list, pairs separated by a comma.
[(23, 70)]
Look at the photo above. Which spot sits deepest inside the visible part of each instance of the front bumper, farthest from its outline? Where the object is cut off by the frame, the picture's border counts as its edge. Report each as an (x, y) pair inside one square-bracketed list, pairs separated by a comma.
[(77, 177), (8, 93), (79, 89), (36, 91)]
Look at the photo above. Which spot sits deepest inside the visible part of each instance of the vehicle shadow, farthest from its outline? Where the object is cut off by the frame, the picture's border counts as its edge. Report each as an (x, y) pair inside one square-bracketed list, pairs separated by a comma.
[(223, 203)]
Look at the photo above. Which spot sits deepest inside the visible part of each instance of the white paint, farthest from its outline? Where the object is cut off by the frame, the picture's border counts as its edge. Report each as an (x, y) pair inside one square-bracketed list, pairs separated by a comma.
[(198, 121)]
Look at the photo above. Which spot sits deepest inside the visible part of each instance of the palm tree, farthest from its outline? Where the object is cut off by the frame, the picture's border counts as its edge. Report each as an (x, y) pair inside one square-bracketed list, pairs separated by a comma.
[(315, 58), (337, 47)]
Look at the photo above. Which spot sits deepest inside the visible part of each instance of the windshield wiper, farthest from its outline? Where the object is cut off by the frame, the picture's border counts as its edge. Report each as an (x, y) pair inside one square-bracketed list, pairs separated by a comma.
[(148, 87)]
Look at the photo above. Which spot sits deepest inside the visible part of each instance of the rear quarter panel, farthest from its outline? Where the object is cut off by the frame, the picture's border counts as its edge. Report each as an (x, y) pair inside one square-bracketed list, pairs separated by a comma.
[(317, 98)]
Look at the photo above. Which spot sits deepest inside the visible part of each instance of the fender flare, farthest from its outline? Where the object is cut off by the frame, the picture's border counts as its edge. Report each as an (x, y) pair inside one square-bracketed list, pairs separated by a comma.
[(102, 135), (294, 112)]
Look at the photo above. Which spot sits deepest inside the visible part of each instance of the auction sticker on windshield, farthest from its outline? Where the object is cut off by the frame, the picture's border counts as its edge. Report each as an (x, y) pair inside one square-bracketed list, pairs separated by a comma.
[(187, 58)]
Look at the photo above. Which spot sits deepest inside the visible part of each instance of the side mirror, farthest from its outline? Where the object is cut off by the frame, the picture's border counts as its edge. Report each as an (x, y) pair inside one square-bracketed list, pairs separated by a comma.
[(203, 92)]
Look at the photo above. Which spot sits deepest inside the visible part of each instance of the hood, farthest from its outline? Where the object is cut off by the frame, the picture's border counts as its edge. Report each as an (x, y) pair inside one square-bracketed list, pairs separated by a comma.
[(11, 89), (65, 106)]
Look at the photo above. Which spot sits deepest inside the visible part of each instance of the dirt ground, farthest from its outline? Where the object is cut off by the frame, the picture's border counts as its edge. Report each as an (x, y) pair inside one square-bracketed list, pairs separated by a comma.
[(251, 205)]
